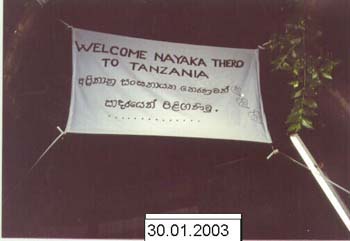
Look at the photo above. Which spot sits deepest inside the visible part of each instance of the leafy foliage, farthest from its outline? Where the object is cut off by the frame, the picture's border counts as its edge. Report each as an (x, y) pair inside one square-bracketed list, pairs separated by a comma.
[(298, 52)]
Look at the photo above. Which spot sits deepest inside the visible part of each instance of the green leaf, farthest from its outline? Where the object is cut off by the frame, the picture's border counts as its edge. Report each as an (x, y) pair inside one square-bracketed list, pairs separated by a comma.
[(307, 123), (295, 41), (295, 71), (294, 128), (310, 103), (277, 63), (326, 75), (293, 118), (298, 93), (294, 83), (314, 75), (285, 65)]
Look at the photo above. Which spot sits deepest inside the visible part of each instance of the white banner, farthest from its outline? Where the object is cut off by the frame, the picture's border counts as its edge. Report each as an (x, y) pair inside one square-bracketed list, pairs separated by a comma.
[(132, 86)]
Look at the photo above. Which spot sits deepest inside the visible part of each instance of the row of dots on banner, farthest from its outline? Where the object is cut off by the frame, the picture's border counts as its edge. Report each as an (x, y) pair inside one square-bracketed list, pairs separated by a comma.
[(152, 119)]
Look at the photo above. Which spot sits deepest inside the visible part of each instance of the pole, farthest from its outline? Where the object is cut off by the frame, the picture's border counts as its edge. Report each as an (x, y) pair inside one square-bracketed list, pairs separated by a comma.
[(320, 177)]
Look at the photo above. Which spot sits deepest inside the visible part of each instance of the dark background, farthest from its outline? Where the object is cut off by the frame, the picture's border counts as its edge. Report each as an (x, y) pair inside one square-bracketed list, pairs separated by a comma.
[(102, 185)]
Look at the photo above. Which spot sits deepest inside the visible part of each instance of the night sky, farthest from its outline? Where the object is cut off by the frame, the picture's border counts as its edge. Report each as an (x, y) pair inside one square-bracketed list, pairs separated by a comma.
[(86, 181)]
